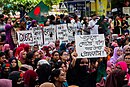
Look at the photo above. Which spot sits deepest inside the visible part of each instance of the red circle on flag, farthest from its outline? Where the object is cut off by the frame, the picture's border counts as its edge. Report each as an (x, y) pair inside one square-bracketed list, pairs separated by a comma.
[(37, 11)]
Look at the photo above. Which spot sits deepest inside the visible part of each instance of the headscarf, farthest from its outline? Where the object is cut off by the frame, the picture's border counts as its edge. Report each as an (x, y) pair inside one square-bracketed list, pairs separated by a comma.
[(43, 57), (5, 83), (22, 60), (15, 77), (18, 50), (40, 62), (4, 73), (9, 38), (125, 47), (5, 47), (115, 56), (14, 68), (123, 65), (29, 78), (52, 45), (43, 72), (115, 79)]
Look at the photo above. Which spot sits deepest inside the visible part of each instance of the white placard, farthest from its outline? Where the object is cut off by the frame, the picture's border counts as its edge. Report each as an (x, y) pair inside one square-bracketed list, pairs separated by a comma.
[(71, 32), (26, 37), (90, 46), (38, 36), (126, 10), (62, 33), (49, 33)]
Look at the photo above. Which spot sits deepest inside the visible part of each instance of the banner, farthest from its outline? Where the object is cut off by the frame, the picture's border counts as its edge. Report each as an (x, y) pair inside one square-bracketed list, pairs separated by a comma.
[(38, 36), (90, 46), (71, 32), (26, 37), (62, 33), (49, 33), (101, 7)]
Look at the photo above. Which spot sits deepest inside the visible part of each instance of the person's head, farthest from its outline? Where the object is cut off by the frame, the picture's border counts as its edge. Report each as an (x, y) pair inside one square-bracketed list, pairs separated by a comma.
[(127, 58), (9, 21), (16, 78), (6, 47), (36, 48), (14, 64), (56, 55), (23, 55), (61, 65), (29, 78), (121, 66), (57, 75), (118, 51), (2, 57), (41, 53), (57, 43), (34, 23), (43, 71), (126, 49), (94, 16), (117, 17), (64, 56)]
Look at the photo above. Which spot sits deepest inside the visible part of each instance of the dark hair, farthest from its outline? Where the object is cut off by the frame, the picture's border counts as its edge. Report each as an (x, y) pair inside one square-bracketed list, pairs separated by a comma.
[(62, 52), (126, 55), (55, 73), (54, 53), (44, 71), (2, 53)]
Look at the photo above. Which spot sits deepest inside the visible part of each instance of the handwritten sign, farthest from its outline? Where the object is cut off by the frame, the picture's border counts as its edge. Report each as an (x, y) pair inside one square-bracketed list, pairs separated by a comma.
[(26, 37), (126, 10), (71, 32), (38, 36), (49, 33), (62, 33), (90, 46)]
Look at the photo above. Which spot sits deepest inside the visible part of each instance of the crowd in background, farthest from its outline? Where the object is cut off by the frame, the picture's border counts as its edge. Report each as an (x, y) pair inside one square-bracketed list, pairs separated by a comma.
[(55, 64)]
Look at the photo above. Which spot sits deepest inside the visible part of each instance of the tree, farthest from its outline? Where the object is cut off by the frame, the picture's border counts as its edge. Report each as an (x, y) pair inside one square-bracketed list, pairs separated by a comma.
[(14, 5)]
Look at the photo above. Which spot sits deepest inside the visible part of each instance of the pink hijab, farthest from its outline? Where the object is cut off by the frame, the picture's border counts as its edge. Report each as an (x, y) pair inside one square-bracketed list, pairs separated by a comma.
[(21, 56), (5, 83), (123, 65), (5, 47)]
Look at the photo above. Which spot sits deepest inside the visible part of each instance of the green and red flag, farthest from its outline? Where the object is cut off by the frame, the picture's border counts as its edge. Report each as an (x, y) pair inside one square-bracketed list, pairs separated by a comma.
[(38, 12)]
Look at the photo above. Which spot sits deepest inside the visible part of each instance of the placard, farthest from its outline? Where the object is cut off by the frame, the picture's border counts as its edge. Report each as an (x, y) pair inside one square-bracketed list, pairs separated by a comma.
[(126, 10), (62, 33), (49, 33), (38, 36), (26, 37), (71, 32), (90, 46)]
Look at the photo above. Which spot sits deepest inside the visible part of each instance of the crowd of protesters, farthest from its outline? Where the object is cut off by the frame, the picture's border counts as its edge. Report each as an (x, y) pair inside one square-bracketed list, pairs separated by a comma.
[(55, 64)]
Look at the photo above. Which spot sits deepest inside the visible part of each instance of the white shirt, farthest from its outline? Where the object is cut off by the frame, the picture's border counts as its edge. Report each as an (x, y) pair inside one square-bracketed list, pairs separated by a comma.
[(93, 26)]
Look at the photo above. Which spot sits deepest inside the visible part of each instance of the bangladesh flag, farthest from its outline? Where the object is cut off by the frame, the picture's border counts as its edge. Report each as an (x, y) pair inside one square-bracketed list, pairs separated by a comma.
[(38, 12)]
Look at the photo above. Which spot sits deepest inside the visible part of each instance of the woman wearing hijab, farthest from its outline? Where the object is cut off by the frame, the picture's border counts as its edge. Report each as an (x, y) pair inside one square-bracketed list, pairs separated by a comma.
[(117, 53), (22, 56), (10, 36), (126, 50), (5, 83), (5, 70), (14, 64), (43, 71), (5, 47), (83, 76), (116, 78), (16, 78), (30, 78)]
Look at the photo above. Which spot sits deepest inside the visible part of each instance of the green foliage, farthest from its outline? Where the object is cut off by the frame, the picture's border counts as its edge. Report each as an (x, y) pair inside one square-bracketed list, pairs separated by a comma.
[(14, 5)]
